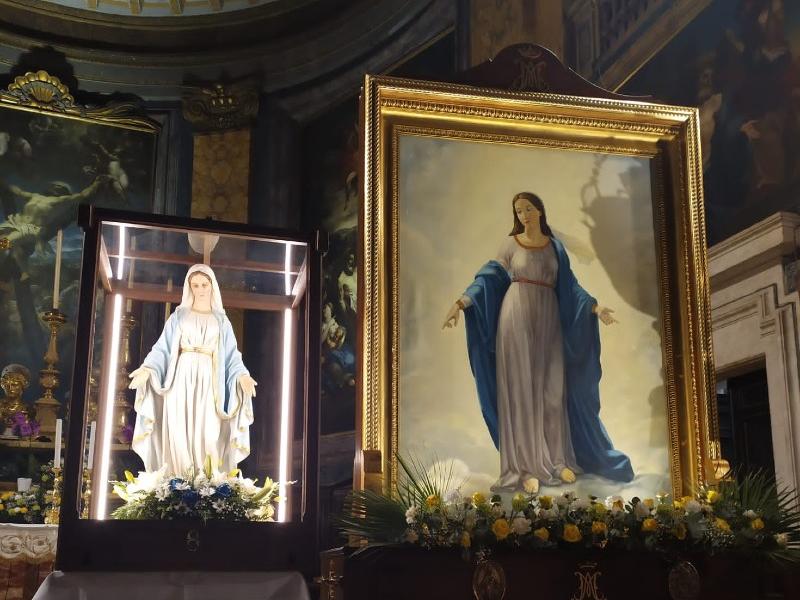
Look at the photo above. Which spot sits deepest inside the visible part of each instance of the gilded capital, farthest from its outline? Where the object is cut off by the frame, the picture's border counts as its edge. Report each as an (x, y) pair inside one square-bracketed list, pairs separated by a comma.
[(222, 106)]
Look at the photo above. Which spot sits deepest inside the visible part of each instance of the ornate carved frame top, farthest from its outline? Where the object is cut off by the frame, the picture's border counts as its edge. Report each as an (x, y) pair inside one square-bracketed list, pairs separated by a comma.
[(41, 91)]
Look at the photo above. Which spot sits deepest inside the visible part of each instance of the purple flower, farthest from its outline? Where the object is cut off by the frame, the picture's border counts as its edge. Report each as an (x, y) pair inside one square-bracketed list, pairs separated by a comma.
[(19, 418), (25, 430), (126, 434)]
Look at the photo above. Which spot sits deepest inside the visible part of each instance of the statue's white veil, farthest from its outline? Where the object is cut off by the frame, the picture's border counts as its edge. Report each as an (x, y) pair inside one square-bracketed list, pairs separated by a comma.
[(188, 296)]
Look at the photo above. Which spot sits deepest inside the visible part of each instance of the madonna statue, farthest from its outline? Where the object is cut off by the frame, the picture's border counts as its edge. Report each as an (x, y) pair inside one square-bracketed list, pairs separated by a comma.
[(534, 347), (193, 393)]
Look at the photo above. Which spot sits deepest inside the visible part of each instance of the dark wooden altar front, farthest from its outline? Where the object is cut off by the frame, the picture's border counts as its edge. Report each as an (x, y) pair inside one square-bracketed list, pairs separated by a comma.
[(405, 572)]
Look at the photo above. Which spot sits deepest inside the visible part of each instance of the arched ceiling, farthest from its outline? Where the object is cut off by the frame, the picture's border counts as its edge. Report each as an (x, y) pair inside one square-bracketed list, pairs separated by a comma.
[(158, 8)]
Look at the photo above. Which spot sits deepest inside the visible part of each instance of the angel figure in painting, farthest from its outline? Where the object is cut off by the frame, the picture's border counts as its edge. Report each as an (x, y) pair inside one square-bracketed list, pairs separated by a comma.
[(193, 393), (534, 348)]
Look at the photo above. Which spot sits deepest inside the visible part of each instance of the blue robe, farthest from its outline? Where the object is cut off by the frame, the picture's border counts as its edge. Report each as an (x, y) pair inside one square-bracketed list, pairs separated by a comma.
[(594, 451)]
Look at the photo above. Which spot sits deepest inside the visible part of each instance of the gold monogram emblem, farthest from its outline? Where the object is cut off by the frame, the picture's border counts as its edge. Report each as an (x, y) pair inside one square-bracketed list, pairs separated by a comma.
[(588, 589)]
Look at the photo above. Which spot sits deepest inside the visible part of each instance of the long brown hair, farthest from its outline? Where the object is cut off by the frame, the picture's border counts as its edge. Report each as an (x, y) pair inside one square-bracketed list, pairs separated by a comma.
[(537, 202)]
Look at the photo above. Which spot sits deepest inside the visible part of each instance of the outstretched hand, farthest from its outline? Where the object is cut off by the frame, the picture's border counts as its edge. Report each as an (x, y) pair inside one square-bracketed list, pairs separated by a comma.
[(139, 378), (605, 314), (248, 385), (451, 320)]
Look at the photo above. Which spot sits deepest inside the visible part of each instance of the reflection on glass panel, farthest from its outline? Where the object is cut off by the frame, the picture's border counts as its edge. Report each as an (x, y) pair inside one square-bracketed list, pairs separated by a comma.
[(191, 395)]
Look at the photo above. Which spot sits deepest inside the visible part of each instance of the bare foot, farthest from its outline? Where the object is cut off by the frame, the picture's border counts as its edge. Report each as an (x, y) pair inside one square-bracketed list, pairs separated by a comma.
[(567, 475), (531, 485)]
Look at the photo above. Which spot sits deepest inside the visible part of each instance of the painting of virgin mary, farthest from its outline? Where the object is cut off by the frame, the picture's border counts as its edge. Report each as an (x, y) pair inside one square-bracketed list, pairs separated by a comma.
[(534, 349)]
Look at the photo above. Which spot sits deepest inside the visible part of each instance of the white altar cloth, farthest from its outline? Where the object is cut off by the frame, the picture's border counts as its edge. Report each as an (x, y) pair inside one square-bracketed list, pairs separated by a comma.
[(189, 585), (28, 543)]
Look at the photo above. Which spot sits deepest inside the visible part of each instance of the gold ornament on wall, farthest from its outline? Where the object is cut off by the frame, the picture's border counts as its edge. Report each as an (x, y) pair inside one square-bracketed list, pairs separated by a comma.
[(222, 106)]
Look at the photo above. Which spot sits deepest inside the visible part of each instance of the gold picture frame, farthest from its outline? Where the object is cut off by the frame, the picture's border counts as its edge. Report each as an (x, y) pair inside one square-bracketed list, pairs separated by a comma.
[(665, 137)]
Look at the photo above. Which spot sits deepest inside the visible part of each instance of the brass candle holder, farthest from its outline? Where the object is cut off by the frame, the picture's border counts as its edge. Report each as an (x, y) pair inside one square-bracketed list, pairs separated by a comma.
[(52, 512), (122, 407), (86, 496), (48, 407)]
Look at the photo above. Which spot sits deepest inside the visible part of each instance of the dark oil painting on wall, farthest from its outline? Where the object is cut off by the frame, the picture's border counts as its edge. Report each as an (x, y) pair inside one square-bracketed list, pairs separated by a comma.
[(739, 62), (49, 165)]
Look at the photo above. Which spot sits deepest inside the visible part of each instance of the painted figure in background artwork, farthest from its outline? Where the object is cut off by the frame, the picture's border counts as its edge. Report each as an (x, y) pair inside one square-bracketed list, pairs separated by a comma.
[(193, 392), (534, 347)]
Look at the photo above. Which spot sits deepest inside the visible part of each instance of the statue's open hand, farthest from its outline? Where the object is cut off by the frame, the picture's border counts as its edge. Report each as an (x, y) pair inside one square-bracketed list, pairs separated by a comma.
[(606, 315), (248, 385), (139, 378)]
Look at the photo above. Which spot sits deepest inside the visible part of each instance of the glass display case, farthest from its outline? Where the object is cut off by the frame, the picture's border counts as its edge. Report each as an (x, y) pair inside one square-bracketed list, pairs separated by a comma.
[(193, 429)]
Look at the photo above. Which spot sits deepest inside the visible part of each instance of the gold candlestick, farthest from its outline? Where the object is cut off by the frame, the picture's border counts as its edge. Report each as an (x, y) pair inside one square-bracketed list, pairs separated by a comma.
[(122, 407), (47, 407), (86, 497), (52, 512)]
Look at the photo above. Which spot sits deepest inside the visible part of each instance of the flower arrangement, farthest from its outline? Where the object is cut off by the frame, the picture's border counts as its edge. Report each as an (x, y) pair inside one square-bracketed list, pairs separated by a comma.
[(23, 426), (208, 495), (750, 516), (30, 506)]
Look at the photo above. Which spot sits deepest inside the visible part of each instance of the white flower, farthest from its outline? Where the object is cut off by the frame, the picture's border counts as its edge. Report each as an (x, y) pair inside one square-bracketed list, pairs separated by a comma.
[(550, 514), (411, 536), (693, 507), (182, 486), (162, 491), (580, 504), (411, 515), (498, 511), (569, 495), (147, 482), (247, 485), (641, 511), (218, 505), (521, 525), (562, 500), (750, 514), (782, 539), (206, 491)]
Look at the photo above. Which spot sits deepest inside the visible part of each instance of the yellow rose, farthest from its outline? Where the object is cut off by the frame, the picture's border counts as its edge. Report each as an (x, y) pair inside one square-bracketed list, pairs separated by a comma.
[(572, 533), (649, 502), (680, 531), (23, 510), (466, 541), (649, 524), (501, 529), (2, 506), (712, 496), (757, 523), (619, 504), (478, 499), (546, 502), (599, 528), (542, 534), (433, 501), (722, 524), (36, 507), (599, 510), (686, 499), (679, 504)]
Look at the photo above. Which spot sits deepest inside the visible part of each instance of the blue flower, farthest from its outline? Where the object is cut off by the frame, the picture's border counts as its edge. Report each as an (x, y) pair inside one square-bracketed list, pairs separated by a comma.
[(190, 498), (176, 483), (224, 491)]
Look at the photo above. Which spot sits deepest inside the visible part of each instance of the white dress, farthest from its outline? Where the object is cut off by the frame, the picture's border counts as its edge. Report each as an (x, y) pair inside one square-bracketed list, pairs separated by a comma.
[(190, 428), (531, 394)]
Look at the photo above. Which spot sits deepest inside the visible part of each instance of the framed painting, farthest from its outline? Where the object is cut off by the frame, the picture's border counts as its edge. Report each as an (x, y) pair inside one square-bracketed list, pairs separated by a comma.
[(535, 300), (55, 155)]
